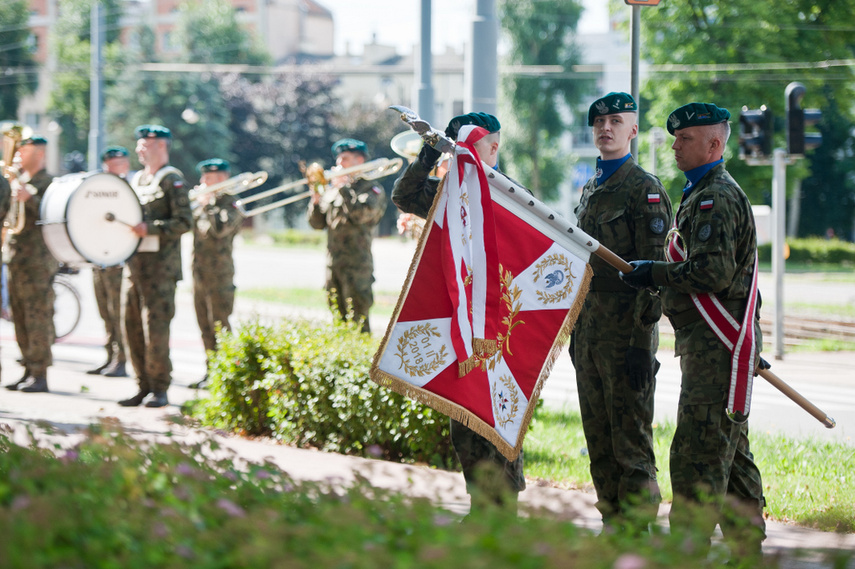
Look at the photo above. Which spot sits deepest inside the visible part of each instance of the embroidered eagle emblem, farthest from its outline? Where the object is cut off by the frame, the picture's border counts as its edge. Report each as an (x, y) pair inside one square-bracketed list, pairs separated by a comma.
[(601, 107), (674, 121)]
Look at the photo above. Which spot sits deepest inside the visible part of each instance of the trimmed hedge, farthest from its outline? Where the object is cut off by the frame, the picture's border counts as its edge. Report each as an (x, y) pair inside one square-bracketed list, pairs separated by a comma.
[(307, 384), (814, 250)]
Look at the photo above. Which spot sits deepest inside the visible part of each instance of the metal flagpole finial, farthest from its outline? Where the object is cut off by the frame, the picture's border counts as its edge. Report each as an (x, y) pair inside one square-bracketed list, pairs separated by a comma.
[(430, 135)]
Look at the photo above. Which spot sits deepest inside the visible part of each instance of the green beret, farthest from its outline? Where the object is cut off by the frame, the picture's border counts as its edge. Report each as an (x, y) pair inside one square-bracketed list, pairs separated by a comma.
[(152, 131), (39, 140), (213, 165), (113, 152), (483, 120), (696, 114), (349, 145), (611, 104)]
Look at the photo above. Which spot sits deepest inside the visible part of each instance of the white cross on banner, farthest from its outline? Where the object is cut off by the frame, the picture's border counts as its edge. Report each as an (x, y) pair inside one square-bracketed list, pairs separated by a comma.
[(490, 300)]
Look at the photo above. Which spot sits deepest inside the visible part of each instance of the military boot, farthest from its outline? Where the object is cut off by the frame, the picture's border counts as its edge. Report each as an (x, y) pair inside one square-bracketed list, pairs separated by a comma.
[(20, 382), (158, 399), (136, 400), (35, 385), (115, 369)]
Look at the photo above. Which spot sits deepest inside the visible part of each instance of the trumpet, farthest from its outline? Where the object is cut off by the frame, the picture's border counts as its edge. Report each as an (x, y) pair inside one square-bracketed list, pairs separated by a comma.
[(13, 133), (232, 186), (369, 171)]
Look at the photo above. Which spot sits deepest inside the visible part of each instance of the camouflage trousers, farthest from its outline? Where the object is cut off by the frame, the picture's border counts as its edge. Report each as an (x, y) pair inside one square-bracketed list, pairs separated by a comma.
[(108, 296), (149, 308), (711, 460), (617, 421), (214, 302), (488, 474), (31, 299), (349, 289)]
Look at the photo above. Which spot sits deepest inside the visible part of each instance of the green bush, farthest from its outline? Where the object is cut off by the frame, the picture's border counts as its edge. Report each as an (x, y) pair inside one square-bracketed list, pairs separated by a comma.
[(307, 384), (814, 250), (114, 502)]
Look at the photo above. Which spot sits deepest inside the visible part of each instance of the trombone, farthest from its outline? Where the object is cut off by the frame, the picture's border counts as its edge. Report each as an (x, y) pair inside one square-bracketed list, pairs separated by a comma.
[(13, 133), (232, 186), (369, 170)]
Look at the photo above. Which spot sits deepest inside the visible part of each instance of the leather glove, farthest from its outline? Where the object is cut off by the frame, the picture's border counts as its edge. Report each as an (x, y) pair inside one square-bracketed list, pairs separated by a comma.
[(641, 367), (641, 275), (428, 156), (762, 365), (573, 348)]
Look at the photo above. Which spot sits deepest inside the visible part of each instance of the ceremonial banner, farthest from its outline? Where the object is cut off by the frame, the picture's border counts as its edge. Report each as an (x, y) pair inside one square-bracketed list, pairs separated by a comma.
[(490, 300)]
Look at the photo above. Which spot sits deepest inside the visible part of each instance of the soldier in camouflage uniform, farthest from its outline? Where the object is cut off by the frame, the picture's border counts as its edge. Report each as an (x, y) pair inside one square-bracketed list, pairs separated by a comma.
[(616, 336), (31, 271), (216, 222), (710, 455), (490, 477), (155, 269), (349, 209), (107, 282)]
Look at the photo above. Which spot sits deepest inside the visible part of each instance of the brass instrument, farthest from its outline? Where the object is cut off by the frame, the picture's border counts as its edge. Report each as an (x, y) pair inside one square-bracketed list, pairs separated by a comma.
[(407, 144), (13, 133), (317, 177), (232, 186)]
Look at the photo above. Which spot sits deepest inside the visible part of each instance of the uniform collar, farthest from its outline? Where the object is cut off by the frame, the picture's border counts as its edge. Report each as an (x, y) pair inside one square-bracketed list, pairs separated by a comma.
[(694, 175), (605, 168)]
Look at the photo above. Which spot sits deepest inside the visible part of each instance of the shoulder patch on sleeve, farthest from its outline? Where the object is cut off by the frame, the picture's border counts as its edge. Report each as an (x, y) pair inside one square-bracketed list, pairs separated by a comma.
[(654, 198), (706, 204), (376, 190), (705, 231), (657, 225)]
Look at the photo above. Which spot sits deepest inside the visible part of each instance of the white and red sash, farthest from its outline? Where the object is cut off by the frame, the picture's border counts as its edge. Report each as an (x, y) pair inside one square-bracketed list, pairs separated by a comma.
[(738, 337), (470, 257)]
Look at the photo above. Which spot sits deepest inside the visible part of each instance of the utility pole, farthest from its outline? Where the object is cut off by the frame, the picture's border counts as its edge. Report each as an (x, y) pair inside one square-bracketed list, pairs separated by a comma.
[(96, 86), (424, 66), (481, 78)]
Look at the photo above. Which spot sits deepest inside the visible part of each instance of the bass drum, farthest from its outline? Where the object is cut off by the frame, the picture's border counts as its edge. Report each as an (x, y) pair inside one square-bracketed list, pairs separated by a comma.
[(87, 218)]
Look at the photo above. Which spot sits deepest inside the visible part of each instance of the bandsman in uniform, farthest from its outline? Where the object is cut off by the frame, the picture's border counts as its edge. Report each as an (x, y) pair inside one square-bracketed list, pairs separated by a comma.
[(711, 255), (489, 476), (349, 210), (616, 335), (5, 199), (155, 269), (216, 222), (32, 268), (108, 282)]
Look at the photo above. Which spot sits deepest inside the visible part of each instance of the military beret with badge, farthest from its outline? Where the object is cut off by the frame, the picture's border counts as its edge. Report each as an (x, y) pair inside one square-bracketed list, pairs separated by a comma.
[(696, 114), (114, 152), (611, 104), (35, 140), (213, 165), (484, 120), (152, 131), (349, 145)]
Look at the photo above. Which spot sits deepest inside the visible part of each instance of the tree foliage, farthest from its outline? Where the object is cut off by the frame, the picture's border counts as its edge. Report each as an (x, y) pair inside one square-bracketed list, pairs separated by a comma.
[(539, 33), (739, 53), (70, 96), (16, 57), (208, 32)]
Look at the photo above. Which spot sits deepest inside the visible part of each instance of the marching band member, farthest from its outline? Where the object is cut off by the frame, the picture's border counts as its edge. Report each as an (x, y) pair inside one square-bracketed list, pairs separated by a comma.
[(108, 282), (349, 209), (31, 271), (156, 267), (216, 222), (616, 335)]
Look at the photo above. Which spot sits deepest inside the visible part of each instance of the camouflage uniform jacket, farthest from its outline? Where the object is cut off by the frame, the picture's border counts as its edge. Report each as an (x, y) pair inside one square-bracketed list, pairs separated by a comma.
[(716, 224), (415, 190), (167, 214), (5, 197), (630, 214), (29, 246), (349, 214), (214, 229)]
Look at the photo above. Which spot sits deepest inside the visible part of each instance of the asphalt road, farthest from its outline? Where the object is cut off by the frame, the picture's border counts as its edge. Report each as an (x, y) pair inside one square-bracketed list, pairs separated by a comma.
[(826, 379)]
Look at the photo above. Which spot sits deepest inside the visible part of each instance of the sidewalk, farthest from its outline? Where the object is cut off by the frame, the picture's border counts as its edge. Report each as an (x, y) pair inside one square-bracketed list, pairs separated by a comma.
[(77, 400)]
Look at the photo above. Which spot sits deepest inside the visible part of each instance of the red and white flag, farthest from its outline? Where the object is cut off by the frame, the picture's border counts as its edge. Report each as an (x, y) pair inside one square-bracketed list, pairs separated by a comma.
[(489, 302)]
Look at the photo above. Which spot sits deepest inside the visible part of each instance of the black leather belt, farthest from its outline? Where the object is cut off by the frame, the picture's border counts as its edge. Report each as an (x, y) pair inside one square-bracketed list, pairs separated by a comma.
[(681, 319)]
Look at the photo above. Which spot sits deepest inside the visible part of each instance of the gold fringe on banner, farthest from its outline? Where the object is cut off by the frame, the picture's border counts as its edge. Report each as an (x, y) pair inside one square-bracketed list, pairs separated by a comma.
[(485, 347)]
